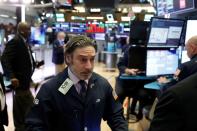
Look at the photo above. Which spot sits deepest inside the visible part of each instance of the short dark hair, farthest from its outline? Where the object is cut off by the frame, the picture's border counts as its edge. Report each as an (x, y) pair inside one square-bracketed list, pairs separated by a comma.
[(78, 42)]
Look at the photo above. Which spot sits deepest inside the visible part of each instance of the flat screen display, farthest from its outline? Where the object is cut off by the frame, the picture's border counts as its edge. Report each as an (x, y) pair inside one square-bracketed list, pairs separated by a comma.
[(37, 35), (99, 36), (65, 27), (190, 29), (124, 28), (161, 62), (77, 27), (174, 6), (165, 32), (110, 26), (95, 27)]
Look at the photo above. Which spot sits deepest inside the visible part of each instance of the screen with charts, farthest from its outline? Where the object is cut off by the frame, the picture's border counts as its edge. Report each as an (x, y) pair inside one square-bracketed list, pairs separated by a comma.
[(190, 30), (124, 28), (174, 6), (95, 27), (165, 32), (161, 62), (77, 27)]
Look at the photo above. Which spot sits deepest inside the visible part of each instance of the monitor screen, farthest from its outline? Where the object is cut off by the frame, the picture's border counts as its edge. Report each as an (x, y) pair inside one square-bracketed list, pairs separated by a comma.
[(165, 32), (161, 62), (60, 17), (190, 29), (138, 32), (99, 36), (174, 6), (124, 28), (110, 26), (77, 27), (95, 27), (65, 27), (147, 17), (184, 56), (37, 35)]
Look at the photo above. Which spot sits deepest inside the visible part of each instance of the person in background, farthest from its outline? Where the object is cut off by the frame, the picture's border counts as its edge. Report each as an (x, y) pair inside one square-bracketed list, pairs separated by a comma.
[(176, 109), (3, 106), (186, 69), (58, 52), (18, 64), (132, 88), (77, 98)]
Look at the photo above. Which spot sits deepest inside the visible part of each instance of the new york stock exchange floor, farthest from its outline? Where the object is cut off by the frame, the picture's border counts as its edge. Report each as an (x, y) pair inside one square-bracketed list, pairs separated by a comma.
[(48, 70)]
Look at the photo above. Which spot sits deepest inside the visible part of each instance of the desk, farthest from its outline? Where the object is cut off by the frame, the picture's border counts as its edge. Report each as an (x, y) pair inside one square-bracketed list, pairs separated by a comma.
[(136, 77)]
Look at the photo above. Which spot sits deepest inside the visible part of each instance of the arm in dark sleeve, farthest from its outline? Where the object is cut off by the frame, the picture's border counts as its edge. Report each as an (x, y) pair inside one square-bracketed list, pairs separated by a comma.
[(168, 115), (114, 112), (40, 116), (8, 57), (123, 62)]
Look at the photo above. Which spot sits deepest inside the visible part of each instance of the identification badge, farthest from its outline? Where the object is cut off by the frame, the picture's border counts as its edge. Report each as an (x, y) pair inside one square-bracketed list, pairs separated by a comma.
[(65, 87)]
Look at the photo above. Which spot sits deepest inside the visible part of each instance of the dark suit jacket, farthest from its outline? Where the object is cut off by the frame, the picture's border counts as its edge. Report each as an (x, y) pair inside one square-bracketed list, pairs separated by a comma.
[(177, 108), (4, 113), (16, 61), (54, 111), (58, 53), (188, 68)]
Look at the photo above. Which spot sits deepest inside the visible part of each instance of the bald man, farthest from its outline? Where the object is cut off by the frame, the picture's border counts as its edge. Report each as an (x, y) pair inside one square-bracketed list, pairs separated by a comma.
[(19, 65), (188, 68), (177, 107)]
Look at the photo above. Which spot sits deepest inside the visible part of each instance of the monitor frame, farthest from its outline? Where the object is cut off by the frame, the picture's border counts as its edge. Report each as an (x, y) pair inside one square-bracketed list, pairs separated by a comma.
[(161, 49), (165, 46)]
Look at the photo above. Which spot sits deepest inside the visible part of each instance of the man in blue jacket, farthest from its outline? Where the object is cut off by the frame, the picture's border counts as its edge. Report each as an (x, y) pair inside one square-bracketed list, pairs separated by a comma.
[(77, 98)]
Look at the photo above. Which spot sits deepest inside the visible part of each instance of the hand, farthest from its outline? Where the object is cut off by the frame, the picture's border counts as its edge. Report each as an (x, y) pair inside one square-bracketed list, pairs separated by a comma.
[(162, 80), (131, 71), (15, 82)]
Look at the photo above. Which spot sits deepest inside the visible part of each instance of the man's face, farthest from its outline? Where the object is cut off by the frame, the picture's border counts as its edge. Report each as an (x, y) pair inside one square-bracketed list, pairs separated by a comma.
[(82, 62)]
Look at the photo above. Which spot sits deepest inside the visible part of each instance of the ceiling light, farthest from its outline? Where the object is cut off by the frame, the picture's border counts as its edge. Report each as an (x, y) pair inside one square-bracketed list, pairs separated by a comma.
[(94, 18)]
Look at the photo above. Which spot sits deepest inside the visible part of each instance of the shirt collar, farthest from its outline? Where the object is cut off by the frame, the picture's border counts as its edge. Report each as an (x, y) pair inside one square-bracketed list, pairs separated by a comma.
[(74, 78)]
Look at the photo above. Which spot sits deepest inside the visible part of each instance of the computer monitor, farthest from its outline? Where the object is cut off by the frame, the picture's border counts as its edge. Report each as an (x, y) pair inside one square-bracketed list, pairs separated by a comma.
[(190, 29), (137, 57), (77, 27), (165, 32), (174, 6), (37, 35), (184, 56), (123, 28), (138, 32), (161, 61)]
